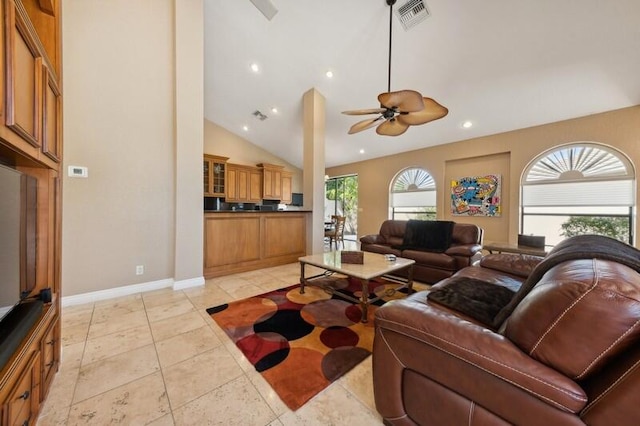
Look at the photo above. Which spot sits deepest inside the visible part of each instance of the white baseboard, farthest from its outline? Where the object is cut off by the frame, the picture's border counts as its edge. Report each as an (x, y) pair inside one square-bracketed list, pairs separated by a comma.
[(190, 283), (95, 296)]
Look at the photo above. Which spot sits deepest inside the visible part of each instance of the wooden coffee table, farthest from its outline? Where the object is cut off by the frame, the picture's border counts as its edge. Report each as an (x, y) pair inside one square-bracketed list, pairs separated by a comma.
[(374, 266)]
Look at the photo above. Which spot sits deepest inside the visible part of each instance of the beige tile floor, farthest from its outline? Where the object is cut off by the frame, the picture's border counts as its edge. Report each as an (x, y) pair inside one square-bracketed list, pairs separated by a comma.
[(157, 358)]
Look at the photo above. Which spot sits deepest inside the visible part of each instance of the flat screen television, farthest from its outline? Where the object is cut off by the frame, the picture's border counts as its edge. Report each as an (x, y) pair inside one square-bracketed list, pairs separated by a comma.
[(18, 237)]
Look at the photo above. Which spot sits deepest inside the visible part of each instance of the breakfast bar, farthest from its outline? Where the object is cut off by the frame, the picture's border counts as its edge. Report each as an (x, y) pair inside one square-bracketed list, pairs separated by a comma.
[(238, 241)]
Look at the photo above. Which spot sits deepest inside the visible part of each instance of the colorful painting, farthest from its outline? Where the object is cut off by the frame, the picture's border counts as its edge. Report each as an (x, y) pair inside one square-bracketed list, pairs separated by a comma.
[(476, 196)]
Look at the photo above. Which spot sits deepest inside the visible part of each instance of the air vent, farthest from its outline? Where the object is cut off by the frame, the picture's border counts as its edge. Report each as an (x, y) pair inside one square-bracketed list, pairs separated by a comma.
[(260, 115), (412, 13)]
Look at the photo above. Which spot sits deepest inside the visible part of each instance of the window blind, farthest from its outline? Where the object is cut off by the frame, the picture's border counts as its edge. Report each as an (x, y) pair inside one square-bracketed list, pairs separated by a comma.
[(413, 199), (598, 193)]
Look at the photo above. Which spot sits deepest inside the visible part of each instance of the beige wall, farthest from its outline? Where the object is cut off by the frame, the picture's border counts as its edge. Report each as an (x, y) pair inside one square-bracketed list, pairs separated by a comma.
[(220, 141), (507, 154), (120, 122)]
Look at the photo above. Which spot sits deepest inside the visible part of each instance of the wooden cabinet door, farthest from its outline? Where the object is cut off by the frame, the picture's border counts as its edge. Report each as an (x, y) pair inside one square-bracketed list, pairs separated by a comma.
[(243, 185), (49, 350), (272, 181), (267, 192), (23, 73), (231, 186), (23, 401), (255, 186), (51, 117), (277, 185), (286, 188)]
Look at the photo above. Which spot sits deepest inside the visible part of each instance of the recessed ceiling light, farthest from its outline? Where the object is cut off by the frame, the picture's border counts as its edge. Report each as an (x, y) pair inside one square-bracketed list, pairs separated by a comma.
[(329, 74), (274, 110), (245, 128), (362, 151), (467, 124), (255, 67)]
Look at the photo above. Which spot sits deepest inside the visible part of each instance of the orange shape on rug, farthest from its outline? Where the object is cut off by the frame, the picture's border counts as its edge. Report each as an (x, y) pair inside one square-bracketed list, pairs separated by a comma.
[(298, 378)]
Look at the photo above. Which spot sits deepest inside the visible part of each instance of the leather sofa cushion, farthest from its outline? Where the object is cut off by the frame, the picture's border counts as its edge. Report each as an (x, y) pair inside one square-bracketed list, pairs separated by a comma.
[(392, 232), (383, 249), (437, 260), (465, 233), (578, 316)]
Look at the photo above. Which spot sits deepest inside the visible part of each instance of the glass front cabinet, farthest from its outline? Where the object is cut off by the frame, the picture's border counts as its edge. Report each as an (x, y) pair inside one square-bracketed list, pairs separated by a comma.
[(214, 170)]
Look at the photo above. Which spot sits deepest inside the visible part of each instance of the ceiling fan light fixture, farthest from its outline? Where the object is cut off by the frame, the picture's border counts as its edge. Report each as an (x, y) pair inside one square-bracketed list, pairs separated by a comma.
[(398, 110)]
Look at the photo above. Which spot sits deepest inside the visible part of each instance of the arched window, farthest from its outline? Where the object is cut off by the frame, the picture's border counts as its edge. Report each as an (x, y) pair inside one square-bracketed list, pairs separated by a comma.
[(581, 188), (413, 195)]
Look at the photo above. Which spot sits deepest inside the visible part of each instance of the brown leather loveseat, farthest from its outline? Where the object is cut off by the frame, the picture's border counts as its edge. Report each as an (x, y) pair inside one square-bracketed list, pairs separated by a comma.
[(465, 246), (562, 349)]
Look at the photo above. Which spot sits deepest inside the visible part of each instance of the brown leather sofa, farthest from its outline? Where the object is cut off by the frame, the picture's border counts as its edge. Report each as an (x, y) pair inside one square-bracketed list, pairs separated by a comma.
[(430, 267), (567, 352)]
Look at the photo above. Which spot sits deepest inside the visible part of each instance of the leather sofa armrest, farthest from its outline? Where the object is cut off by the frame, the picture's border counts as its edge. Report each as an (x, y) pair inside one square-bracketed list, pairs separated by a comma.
[(516, 264), (370, 239), (467, 358), (466, 250)]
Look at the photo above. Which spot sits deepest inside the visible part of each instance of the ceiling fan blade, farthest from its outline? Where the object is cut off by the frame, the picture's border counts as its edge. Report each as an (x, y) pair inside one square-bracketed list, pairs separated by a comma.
[(392, 128), (365, 111), (403, 100), (364, 125), (432, 111)]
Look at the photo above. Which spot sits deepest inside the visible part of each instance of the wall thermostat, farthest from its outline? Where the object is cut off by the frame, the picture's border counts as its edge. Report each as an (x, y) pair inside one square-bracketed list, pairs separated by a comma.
[(78, 171)]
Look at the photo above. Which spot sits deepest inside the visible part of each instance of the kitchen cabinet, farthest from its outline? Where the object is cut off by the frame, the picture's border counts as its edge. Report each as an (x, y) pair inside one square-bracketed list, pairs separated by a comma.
[(272, 181), (255, 185), (214, 170), (244, 184), (286, 187)]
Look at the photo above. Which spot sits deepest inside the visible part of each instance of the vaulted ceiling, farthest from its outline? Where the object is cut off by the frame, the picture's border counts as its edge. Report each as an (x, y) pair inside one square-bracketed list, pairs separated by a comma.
[(500, 64)]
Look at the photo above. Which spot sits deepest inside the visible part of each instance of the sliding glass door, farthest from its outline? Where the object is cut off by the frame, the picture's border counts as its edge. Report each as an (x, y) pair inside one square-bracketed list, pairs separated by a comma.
[(341, 199)]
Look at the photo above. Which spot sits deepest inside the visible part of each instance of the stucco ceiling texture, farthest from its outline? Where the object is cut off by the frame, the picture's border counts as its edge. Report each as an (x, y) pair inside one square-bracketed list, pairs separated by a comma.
[(501, 64)]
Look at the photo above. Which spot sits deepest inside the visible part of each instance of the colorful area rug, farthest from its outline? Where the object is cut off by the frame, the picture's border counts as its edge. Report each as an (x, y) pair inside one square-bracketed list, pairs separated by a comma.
[(300, 343)]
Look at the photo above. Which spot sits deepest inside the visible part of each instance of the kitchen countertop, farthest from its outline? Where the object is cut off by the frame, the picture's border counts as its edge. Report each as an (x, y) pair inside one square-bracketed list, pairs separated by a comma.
[(257, 211)]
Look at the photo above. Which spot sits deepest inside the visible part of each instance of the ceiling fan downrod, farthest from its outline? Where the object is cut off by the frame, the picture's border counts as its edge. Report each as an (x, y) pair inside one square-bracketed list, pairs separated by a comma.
[(390, 3)]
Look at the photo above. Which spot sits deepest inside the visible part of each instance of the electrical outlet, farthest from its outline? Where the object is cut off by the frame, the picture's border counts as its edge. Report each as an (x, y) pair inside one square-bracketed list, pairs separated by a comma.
[(139, 269)]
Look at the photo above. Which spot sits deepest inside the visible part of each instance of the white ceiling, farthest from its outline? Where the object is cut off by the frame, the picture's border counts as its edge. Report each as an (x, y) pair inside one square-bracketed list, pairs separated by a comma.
[(502, 64)]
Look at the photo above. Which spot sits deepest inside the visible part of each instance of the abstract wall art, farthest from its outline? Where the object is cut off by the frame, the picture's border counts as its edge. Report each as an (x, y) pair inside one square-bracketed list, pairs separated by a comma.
[(476, 196)]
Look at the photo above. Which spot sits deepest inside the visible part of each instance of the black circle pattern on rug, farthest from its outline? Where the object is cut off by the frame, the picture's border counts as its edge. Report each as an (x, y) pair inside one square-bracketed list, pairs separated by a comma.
[(288, 323)]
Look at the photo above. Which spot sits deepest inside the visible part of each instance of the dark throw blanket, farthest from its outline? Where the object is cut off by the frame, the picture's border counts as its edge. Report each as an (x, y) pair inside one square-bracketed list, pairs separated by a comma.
[(475, 298), (427, 235), (475, 294)]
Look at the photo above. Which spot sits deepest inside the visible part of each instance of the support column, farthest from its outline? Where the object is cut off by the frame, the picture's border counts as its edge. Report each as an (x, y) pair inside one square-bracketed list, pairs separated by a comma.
[(189, 120), (314, 167)]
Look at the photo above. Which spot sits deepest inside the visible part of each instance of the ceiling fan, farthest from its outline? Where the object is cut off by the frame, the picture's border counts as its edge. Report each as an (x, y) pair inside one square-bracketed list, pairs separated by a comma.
[(398, 110)]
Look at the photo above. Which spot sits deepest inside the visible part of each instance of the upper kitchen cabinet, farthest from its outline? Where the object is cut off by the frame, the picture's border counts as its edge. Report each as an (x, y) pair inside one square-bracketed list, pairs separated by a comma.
[(287, 183), (271, 181), (32, 98), (214, 170), (244, 184)]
